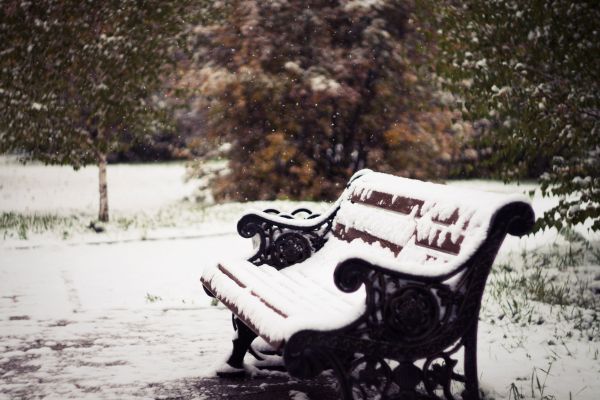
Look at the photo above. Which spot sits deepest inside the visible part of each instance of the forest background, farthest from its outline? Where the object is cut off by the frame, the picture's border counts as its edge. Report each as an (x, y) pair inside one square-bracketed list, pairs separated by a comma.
[(286, 99)]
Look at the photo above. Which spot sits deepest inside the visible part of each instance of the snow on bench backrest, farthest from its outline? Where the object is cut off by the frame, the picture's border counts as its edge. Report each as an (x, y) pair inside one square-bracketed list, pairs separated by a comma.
[(417, 222)]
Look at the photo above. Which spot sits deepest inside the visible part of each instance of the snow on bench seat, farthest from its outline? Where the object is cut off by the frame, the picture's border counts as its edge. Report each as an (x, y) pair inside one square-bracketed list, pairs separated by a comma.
[(277, 304)]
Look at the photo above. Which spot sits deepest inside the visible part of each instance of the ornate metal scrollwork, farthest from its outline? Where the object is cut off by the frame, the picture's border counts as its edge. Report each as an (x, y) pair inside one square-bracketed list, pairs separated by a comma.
[(415, 313), (289, 248), (408, 312), (439, 376), (368, 377), (304, 357), (412, 312), (281, 244)]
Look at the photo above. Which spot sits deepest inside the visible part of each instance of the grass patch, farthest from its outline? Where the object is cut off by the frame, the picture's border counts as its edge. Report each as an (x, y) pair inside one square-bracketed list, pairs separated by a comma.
[(537, 386), (125, 223), (537, 283), (152, 298), (559, 275), (183, 214), (21, 225), (549, 275)]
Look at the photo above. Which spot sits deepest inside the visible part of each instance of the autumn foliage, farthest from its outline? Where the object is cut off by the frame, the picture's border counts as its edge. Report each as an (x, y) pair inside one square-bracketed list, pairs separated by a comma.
[(304, 93)]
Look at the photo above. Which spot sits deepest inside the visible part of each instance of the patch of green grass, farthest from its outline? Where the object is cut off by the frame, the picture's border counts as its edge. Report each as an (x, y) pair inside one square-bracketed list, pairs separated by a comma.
[(152, 298), (536, 283), (558, 275), (125, 223), (21, 225), (516, 289), (548, 275), (537, 385), (595, 254), (514, 393)]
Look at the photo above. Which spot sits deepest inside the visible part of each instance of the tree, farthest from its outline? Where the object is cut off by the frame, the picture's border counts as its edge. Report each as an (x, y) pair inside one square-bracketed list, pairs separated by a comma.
[(75, 76), (529, 70), (304, 93)]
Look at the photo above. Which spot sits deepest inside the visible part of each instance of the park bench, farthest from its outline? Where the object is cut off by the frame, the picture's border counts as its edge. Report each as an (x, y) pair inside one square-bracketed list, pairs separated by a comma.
[(384, 289)]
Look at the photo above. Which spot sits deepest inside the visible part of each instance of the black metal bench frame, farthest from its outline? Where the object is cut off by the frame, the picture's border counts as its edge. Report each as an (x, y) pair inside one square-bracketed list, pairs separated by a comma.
[(377, 352)]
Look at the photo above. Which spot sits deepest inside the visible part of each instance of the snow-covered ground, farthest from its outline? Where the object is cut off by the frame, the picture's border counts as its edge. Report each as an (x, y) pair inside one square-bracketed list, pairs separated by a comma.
[(121, 314)]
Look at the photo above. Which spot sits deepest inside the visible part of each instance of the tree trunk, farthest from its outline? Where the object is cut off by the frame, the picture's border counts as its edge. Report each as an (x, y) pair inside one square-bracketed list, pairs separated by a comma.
[(103, 210)]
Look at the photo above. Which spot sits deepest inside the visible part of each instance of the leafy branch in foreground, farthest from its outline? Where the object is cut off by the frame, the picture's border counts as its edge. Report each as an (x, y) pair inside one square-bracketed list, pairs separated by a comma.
[(528, 72)]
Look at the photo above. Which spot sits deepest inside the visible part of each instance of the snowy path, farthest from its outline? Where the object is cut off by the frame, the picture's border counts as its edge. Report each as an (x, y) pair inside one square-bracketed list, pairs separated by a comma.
[(75, 321)]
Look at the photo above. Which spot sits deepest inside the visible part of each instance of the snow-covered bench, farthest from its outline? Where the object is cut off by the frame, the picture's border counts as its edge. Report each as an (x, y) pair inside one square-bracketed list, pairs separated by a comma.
[(383, 289)]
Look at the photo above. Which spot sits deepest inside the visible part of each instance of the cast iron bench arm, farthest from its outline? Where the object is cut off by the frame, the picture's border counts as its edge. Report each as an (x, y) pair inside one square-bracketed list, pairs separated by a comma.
[(285, 239), (407, 317)]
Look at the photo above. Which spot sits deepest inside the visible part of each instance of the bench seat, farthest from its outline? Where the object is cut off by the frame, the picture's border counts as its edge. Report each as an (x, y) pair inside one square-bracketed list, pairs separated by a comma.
[(279, 303)]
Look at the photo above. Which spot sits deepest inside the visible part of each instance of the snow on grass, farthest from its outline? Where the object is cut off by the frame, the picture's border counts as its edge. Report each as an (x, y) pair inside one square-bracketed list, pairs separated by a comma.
[(120, 313), (41, 204), (61, 190)]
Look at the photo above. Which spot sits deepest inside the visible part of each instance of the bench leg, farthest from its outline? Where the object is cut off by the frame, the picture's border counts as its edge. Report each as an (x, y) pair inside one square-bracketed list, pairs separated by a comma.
[(241, 345), (470, 364)]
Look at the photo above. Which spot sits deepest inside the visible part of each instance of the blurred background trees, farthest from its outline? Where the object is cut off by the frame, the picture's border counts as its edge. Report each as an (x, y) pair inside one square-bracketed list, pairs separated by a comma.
[(82, 79), (304, 93), (293, 96)]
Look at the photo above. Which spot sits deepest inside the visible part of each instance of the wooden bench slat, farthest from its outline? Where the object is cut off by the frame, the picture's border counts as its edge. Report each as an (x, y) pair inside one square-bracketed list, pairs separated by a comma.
[(266, 303), (401, 204), (231, 276), (256, 281), (233, 307), (349, 234), (388, 201), (447, 246)]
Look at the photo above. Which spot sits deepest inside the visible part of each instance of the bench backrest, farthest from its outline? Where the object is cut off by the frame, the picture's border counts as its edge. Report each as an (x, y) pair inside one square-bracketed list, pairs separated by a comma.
[(417, 222)]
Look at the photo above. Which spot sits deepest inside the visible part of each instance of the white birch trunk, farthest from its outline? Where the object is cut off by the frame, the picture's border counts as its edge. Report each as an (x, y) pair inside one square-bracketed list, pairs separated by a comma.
[(103, 210)]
